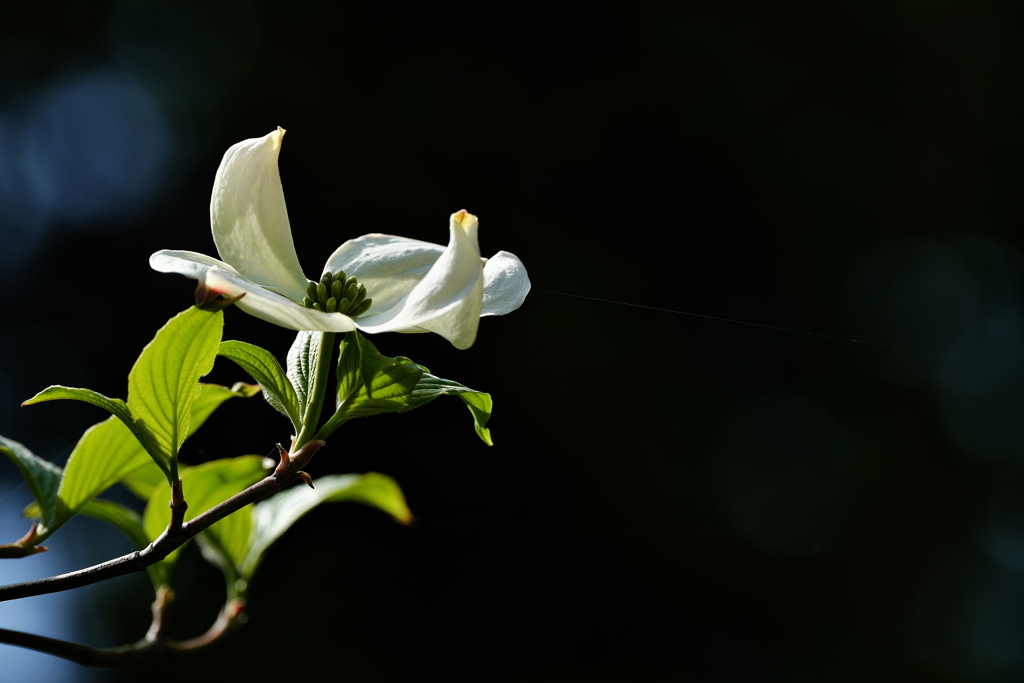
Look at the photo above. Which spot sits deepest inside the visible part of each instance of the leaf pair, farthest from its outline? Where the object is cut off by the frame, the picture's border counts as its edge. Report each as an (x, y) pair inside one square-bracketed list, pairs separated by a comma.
[(238, 543), (369, 383), (239, 548), (163, 385), (107, 453)]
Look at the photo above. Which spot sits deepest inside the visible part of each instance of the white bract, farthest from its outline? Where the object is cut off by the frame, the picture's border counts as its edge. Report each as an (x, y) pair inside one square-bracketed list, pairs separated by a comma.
[(415, 286)]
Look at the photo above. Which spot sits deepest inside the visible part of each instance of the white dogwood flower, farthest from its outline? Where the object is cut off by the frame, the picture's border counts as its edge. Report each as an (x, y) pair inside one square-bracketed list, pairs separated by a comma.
[(376, 283)]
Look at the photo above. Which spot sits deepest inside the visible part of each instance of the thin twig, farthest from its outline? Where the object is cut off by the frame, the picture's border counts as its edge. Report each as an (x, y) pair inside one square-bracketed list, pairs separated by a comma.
[(148, 648)]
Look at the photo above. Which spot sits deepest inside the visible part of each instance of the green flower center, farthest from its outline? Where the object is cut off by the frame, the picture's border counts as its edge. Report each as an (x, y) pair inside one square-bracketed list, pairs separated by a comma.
[(337, 294)]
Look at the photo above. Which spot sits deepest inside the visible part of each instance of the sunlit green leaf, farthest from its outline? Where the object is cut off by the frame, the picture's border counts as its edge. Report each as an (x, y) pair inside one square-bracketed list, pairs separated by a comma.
[(105, 453), (273, 516), (114, 406), (162, 385), (108, 453), (164, 382), (264, 368), (143, 480)]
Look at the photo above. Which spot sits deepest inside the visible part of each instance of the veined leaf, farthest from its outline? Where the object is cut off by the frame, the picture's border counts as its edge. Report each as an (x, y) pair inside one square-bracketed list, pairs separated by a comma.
[(303, 357), (108, 452), (370, 383), (163, 385), (105, 454), (274, 516), (264, 368), (143, 480), (114, 406), (164, 382), (430, 387)]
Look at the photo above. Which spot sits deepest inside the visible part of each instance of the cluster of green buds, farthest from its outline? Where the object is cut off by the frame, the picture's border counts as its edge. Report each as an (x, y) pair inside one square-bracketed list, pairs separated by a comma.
[(337, 294)]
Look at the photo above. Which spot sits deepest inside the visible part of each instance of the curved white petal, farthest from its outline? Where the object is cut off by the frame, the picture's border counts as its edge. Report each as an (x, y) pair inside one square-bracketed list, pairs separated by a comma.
[(187, 263), (249, 217), (506, 284), (446, 299), (387, 265), (272, 307)]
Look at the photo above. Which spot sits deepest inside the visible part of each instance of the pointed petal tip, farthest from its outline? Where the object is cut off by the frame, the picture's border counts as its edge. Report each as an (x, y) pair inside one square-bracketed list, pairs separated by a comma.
[(464, 218)]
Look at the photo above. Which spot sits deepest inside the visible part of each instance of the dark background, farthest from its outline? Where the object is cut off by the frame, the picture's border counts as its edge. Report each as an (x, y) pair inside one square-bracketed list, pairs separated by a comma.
[(670, 497)]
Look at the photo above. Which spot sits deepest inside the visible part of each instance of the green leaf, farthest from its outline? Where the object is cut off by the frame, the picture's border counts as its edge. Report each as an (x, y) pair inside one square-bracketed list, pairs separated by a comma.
[(303, 357), (430, 387), (162, 385), (143, 480), (274, 516), (264, 368), (350, 366), (42, 477), (103, 456), (204, 486), (164, 382), (130, 524), (108, 453), (370, 383), (360, 376), (114, 406)]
